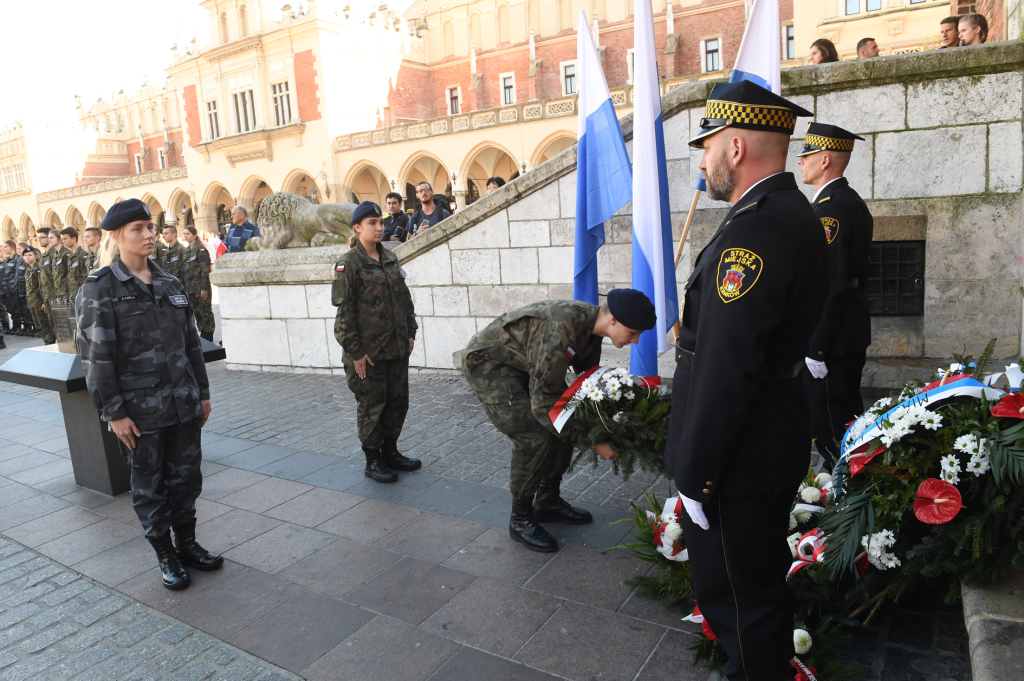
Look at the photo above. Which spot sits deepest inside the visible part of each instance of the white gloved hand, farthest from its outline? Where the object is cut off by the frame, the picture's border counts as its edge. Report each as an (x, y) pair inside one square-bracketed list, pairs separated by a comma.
[(695, 510), (818, 369)]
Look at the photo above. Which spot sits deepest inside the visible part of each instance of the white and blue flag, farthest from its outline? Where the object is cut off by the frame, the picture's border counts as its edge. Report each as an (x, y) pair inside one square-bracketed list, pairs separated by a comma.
[(603, 175), (654, 270), (759, 58)]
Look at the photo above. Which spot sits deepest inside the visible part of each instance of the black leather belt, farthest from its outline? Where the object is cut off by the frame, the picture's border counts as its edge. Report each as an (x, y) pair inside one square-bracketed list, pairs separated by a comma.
[(774, 371)]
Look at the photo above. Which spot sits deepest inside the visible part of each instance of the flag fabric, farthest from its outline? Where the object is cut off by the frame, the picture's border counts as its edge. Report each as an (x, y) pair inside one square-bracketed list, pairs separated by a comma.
[(760, 53), (654, 270), (603, 176), (759, 58)]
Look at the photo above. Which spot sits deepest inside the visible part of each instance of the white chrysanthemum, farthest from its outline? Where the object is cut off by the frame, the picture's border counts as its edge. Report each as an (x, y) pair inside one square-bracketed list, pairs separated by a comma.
[(822, 479), (793, 540), (631, 395), (897, 414), (618, 417), (810, 495), (801, 641), (931, 420), (888, 437), (668, 518), (889, 560), (674, 531), (966, 443), (915, 414), (950, 463), (802, 516), (792, 521), (884, 402), (979, 464), (886, 537), (952, 477)]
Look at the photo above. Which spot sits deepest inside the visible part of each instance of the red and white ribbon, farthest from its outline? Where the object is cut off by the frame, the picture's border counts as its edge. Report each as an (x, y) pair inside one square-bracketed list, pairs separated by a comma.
[(566, 404), (809, 550)]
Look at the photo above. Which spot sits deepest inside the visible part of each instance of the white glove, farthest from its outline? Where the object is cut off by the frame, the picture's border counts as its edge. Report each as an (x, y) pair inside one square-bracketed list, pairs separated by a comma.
[(695, 510), (818, 369)]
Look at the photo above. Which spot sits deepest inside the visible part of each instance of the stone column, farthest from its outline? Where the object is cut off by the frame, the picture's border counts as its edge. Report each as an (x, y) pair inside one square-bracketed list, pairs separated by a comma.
[(460, 198)]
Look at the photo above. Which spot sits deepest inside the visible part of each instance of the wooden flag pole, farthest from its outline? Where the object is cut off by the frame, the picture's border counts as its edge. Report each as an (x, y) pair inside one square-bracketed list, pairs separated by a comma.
[(682, 242)]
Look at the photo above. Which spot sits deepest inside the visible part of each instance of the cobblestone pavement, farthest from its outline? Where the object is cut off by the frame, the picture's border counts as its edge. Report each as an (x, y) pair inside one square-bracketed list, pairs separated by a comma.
[(56, 624), (330, 576)]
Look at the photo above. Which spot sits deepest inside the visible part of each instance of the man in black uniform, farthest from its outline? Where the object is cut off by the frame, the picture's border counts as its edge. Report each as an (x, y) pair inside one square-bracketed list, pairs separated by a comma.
[(739, 433), (839, 344), (396, 224)]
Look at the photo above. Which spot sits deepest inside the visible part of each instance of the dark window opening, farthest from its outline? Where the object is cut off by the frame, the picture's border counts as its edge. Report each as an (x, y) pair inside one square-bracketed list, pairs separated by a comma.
[(895, 284)]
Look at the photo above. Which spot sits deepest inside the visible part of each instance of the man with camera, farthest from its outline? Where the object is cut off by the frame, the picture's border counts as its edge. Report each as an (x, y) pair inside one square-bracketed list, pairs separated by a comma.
[(396, 224)]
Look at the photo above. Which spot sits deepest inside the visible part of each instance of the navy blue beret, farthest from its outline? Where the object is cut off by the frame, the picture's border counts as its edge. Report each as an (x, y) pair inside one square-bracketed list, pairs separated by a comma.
[(632, 308), (366, 209), (123, 212)]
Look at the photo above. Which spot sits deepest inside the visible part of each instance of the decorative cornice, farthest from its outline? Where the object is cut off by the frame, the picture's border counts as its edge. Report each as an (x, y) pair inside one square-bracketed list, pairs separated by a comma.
[(231, 49), (150, 177), (257, 139)]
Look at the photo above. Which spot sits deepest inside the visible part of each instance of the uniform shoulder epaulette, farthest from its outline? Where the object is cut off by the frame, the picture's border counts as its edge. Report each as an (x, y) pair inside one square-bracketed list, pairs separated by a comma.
[(827, 198), (98, 273), (744, 209)]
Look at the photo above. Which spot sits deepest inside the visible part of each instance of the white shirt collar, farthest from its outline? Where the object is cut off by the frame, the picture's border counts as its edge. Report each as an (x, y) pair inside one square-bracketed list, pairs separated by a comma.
[(818, 193), (751, 188)]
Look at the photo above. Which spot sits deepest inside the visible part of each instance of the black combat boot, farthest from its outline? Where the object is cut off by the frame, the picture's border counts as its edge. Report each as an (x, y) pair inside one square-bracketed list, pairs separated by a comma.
[(395, 459), (2, 343), (550, 507), (524, 529), (376, 469), (173, 573), (190, 552)]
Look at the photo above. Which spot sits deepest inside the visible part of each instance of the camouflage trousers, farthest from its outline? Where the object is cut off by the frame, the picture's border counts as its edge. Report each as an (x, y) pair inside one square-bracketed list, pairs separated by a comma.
[(382, 399), (536, 453), (43, 325), (203, 311), (166, 480)]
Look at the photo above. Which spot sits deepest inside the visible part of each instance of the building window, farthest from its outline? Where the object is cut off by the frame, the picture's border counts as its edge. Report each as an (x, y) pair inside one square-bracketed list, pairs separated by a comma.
[(163, 159), (138, 163), (19, 176), (895, 285), (569, 78), (712, 56), (874, 5), (790, 42), (629, 66), (453, 101), (212, 119), (508, 88), (282, 103), (243, 103), (224, 38), (243, 22), (852, 7), (6, 180)]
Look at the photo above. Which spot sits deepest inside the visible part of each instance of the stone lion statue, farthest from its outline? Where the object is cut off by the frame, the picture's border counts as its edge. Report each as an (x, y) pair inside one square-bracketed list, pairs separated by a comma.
[(291, 221)]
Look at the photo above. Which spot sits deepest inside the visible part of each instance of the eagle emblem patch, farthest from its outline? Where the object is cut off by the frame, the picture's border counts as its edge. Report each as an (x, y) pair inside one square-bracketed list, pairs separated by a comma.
[(831, 226), (738, 271)]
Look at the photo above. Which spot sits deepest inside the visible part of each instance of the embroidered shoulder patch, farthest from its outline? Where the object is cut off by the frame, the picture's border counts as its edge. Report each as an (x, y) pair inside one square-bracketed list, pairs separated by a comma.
[(738, 271), (569, 352), (831, 226), (339, 268)]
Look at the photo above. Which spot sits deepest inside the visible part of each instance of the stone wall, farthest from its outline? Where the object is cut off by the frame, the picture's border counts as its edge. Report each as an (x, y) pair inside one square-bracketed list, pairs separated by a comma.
[(942, 161)]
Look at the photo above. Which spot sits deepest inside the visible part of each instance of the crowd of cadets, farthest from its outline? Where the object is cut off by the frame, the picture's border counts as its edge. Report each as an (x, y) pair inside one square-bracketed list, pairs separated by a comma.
[(32, 280)]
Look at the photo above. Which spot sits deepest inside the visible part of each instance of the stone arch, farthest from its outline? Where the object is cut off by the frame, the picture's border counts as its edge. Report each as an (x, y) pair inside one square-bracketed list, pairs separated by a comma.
[(179, 205), (366, 182), (486, 160), (95, 214), (503, 24), (74, 218), (27, 229), (6, 228), (551, 146), (156, 209), (424, 166), (243, 21), (302, 183), (215, 209), (254, 190), (51, 220)]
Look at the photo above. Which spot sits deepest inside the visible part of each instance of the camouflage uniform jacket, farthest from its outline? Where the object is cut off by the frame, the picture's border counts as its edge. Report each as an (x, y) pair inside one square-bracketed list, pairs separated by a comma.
[(6, 275), (46, 274), (78, 270), (172, 259), (537, 343), (59, 267), (20, 270), (197, 270), (375, 310), (94, 259), (140, 351), (34, 286)]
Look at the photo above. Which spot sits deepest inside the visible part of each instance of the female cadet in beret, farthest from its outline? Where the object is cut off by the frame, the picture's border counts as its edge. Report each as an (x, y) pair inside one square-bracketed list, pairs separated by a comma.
[(376, 327), (145, 373)]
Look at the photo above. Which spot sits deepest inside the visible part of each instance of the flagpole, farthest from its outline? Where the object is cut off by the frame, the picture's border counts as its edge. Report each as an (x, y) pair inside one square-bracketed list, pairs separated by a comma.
[(682, 242)]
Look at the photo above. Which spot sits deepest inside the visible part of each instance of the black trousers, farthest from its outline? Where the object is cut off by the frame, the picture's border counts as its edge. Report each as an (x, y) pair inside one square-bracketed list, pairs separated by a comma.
[(835, 401), (166, 479), (739, 570)]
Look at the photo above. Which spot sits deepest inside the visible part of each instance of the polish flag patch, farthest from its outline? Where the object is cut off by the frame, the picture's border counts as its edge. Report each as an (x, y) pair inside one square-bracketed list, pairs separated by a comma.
[(339, 268), (570, 353)]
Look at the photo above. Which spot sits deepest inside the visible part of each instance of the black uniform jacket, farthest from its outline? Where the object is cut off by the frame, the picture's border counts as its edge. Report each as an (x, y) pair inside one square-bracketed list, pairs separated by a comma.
[(845, 325), (140, 351), (753, 300)]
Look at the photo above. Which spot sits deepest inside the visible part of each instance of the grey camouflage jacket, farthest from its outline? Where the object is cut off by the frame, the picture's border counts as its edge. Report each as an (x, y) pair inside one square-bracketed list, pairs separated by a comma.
[(140, 352)]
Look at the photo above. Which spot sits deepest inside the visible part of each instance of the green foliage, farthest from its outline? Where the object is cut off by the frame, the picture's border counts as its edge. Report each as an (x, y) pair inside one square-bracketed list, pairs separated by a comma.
[(986, 357), (845, 524)]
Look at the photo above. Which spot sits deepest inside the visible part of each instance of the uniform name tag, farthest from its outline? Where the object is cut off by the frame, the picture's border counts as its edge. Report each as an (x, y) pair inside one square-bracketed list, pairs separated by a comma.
[(178, 300), (173, 259), (193, 258), (22, 267), (57, 262), (124, 298), (402, 272), (46, 263)]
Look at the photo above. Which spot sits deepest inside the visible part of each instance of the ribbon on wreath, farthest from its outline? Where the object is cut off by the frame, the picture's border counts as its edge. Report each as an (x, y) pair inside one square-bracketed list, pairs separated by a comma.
[(663, 543), (804, 673), (566, 404), (809, 550)]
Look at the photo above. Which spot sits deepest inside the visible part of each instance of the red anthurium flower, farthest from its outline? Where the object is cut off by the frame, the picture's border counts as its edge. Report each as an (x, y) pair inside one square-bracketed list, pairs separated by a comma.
[(937, 502), (936, 384), (1011, 406), (860, 458)]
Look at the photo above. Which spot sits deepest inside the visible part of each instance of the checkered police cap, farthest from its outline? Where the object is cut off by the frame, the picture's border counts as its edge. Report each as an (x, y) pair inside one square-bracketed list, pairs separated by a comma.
[(824, 137), (747, 105)]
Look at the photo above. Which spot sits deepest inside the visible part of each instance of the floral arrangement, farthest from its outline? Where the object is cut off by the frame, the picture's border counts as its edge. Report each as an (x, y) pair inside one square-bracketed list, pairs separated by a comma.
[(929, 491), (606, 404)]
